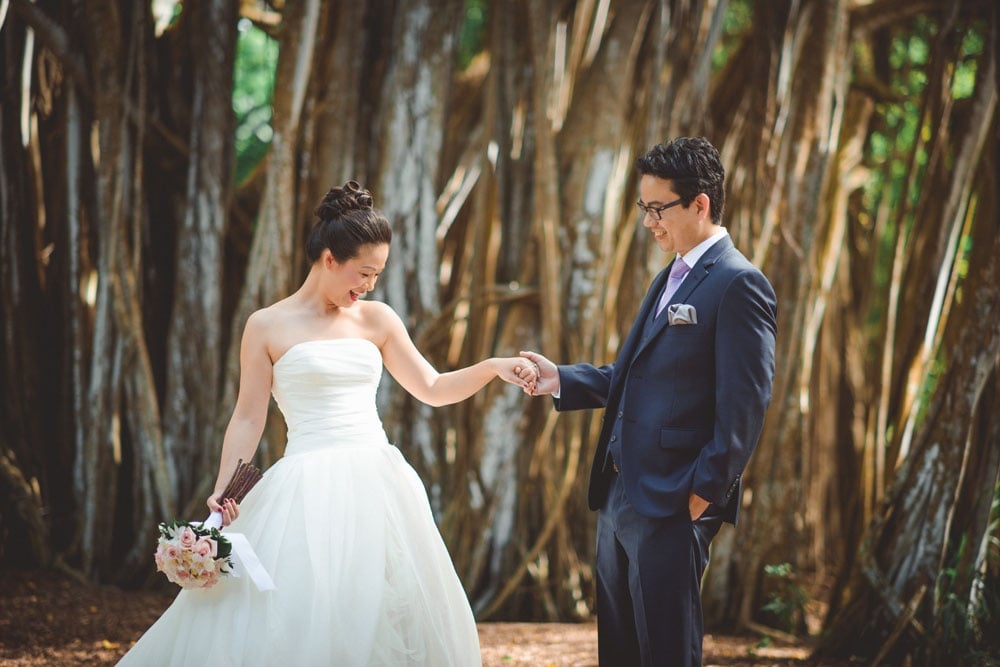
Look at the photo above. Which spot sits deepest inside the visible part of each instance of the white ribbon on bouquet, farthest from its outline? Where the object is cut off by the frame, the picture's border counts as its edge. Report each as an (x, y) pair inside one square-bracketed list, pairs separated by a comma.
[(244, 557)]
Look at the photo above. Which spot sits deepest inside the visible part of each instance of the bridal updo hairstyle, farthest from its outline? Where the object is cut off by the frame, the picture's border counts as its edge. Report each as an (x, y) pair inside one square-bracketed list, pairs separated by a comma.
[(347, 220)]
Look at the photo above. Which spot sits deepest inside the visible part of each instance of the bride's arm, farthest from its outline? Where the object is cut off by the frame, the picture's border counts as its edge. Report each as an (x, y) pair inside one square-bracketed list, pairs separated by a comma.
[(416, 375), (250, 412)]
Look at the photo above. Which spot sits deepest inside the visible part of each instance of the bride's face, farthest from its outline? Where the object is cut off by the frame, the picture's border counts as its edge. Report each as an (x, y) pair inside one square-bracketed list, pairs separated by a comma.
[(350, 281)]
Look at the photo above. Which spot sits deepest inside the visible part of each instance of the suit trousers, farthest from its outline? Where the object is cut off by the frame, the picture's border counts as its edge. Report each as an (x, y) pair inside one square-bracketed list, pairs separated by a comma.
[(649, 584)]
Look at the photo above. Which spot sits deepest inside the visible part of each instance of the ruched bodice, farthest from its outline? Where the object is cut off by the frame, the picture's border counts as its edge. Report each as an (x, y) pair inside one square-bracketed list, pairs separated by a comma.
[(326, 387)]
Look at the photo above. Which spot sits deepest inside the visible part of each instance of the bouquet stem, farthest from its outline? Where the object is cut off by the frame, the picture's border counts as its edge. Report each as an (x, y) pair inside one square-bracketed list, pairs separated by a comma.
[(243, 479)]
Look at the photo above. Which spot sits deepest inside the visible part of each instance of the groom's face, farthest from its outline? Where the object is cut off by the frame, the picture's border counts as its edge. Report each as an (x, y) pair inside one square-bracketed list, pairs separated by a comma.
[(680, 227)]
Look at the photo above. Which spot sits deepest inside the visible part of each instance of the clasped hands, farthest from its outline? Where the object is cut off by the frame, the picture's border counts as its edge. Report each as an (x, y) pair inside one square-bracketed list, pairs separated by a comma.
[(545, 378)]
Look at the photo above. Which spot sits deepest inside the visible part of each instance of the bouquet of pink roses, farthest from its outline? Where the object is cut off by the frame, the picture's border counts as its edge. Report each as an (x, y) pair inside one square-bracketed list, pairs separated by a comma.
[(196, 555), (191, 555)]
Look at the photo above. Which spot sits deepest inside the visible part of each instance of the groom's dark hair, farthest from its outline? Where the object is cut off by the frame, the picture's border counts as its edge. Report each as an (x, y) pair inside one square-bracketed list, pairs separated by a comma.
[(694, 166)]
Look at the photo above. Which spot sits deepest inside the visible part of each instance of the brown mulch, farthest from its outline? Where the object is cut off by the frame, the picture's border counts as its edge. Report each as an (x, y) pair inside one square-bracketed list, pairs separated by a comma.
[(47, 618)]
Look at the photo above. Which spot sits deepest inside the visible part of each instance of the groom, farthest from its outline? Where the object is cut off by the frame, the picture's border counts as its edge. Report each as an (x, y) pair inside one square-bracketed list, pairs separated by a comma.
[(684, 406)]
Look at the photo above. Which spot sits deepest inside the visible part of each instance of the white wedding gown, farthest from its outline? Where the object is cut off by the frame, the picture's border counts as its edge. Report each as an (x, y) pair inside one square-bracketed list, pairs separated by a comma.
[(343, 525)]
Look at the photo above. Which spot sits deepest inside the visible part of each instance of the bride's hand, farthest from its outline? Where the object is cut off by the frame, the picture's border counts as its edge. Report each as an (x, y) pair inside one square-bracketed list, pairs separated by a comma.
[(518, 370), (229, 509)]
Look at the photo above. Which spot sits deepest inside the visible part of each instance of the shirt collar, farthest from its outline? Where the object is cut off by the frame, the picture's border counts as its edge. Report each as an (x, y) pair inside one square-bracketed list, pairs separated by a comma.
[(694, 254)]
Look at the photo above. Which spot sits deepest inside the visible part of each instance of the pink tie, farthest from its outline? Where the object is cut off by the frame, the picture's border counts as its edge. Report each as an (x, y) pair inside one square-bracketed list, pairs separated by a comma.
[(677, 273)]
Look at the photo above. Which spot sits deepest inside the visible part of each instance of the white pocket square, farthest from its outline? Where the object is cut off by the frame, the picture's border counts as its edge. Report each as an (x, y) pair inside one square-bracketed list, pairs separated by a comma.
[(681, 313)]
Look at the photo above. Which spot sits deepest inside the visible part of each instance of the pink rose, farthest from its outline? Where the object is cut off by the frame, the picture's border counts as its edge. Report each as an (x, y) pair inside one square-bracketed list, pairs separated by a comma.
[(205, 547), (212, 579), (172, 552), (188, 538)]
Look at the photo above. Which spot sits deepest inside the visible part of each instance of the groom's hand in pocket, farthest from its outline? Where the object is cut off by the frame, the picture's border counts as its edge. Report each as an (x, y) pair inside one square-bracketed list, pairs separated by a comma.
[(697, 506)]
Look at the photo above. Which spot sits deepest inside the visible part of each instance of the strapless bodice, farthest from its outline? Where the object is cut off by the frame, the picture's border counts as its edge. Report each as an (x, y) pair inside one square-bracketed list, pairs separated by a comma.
[(326, 392)]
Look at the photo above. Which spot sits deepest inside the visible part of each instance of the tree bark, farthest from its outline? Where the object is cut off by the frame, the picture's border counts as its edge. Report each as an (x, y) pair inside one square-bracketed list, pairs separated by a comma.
[(923, 553), (269, 275), (191, 435), (417, 96)]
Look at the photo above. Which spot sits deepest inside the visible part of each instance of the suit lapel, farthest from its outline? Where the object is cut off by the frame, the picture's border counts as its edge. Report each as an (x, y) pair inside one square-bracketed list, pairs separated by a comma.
[(634, 339), (628, 350), (698, 273)]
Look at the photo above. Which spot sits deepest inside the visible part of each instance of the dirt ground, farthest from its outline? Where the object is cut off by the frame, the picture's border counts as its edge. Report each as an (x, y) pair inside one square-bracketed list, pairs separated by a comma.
[(49, 619)]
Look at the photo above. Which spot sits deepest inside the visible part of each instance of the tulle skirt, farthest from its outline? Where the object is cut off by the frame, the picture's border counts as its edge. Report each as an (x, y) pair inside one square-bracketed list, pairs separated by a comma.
[(362, 576)]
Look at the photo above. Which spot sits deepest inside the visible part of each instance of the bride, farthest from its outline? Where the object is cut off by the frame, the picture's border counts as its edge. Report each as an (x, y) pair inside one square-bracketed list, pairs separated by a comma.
[(341, 522)]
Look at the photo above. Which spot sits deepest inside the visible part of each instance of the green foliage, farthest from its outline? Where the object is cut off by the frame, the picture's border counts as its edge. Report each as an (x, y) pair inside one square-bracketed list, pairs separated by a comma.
[(470, 37), (898, 126), (253, 92), (787, 600), (894, 139), (735, 25), (896, 153), (973, 44)]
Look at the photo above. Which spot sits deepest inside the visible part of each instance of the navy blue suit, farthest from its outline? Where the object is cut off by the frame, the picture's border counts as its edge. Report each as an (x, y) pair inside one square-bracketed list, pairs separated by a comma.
[(685, 405)]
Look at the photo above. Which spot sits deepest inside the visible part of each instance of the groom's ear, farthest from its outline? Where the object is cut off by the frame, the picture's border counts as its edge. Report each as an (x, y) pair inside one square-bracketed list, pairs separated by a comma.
[(703, 205)]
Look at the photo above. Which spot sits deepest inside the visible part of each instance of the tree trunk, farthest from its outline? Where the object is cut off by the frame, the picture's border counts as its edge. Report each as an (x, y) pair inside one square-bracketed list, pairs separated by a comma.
[(191, 435), (416, 96), (22, 316), (922, 560), (269, 275)]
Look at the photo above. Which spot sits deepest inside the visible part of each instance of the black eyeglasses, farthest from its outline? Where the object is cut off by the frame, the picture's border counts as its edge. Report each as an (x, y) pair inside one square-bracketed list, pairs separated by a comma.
[(655, 211)]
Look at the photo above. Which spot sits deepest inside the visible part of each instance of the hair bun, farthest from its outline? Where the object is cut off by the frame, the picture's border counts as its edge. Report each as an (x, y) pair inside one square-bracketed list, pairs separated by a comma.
[(338, 201)]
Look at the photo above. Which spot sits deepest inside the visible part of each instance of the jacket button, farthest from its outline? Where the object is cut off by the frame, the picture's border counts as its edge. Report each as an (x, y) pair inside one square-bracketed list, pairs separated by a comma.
[(613, 438), (620, 414)]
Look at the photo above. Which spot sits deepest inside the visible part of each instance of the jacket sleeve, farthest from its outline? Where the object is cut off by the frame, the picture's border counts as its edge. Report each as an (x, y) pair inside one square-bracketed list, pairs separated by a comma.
[(744, 371), (583, 386)]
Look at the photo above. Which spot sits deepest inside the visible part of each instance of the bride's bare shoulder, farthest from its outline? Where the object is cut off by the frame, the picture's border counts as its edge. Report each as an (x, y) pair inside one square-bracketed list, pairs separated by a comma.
[(376, 310), (264, 325), (267, 316), (272, 330), (380, 316), (380, 321)]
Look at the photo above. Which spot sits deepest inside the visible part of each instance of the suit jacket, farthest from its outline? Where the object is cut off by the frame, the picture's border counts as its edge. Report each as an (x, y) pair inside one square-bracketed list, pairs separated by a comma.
[(696, 393)]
